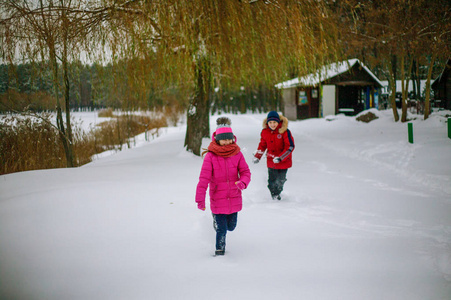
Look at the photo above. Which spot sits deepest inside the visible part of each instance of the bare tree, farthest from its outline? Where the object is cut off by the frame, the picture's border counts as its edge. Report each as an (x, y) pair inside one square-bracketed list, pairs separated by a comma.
[(434, 34), (395, 34)]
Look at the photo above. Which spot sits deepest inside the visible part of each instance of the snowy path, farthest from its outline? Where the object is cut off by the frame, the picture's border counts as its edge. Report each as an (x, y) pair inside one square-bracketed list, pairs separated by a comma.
[(350, 226)]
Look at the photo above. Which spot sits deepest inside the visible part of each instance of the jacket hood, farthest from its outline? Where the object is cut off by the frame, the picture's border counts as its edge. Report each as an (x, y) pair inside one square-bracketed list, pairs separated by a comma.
[(283, 125)]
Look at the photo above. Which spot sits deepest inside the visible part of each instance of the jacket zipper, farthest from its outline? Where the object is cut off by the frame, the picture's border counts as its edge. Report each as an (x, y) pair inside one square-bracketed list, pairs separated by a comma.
[(228, 183)]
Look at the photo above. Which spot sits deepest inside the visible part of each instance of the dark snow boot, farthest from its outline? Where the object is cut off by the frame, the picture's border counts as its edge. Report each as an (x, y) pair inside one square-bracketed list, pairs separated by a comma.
[(276, 197), (219, 252)]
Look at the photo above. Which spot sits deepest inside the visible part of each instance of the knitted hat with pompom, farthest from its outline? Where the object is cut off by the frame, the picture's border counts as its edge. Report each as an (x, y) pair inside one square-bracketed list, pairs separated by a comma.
[(223, 131)]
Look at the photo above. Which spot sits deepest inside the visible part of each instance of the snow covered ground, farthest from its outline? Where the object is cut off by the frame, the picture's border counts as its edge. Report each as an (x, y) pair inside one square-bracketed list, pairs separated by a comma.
[(364, 215)]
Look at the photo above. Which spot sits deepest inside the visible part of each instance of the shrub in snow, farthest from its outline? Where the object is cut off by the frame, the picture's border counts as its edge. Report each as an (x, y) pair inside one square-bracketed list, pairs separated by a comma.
[(367, 117)]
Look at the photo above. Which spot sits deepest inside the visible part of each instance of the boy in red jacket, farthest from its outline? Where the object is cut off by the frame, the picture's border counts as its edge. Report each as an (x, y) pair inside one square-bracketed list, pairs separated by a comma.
[(277, 140)]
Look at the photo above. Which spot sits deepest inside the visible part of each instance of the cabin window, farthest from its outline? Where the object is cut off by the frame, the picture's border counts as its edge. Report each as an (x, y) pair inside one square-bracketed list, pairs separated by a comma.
[(303, 100), (314, 93)]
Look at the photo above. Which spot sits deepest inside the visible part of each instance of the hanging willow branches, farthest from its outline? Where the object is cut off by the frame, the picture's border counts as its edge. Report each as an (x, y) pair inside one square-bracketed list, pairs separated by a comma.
[(54, 31), (193, 45), (246, 41), (203, 43)]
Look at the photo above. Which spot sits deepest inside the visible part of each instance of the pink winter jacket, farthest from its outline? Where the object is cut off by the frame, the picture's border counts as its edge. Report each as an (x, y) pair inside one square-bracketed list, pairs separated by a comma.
[(222, 173)]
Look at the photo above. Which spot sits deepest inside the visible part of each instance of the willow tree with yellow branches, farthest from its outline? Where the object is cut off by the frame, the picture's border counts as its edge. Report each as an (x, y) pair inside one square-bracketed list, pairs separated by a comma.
[(194, 45), (204, 44), (53, 31)]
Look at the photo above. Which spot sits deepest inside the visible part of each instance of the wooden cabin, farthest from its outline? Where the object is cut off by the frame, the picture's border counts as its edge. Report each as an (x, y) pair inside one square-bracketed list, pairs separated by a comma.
[(347, 87), (442, 88)]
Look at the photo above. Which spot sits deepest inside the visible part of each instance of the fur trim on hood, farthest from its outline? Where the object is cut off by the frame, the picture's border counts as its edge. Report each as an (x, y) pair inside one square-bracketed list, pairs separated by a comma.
[(284, 122)]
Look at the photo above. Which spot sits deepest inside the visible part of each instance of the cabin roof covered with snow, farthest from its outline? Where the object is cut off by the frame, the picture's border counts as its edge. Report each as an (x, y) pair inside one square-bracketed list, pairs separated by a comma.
[(325, 73)]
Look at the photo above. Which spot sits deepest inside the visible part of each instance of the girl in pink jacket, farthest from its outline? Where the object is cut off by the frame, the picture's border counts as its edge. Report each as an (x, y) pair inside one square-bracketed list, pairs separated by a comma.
[(226, 171)]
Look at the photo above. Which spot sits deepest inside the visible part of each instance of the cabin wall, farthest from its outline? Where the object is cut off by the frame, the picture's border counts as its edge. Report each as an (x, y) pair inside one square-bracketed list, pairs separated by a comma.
[(329, 100), (289, 103)]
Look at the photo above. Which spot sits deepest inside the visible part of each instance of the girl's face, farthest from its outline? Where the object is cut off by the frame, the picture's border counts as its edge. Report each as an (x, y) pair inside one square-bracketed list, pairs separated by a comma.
[(273, 125), (225, 142)]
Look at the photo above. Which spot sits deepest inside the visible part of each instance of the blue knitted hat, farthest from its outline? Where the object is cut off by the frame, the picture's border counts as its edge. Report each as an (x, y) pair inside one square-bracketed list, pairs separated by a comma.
[(273, 116)]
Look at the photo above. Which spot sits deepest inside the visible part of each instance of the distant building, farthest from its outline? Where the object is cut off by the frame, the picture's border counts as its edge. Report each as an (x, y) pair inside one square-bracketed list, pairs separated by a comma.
[(347, 87), (385, 92), (442, 88), (410, 88)]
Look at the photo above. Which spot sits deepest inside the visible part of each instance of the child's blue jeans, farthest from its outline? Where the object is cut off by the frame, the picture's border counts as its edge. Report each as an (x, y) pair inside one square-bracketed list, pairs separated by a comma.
[(224, 223)]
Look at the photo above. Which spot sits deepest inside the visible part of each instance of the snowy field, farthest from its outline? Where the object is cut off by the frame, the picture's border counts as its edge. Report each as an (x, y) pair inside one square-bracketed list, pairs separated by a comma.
[(364, 215)]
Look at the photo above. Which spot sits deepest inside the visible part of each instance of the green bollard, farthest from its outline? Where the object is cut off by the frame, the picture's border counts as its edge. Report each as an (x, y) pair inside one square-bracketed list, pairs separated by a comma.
[(449, 128), (410, 129)]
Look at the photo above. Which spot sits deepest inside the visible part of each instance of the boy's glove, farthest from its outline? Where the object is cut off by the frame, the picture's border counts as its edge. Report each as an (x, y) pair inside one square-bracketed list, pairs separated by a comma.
[(276, 160), (255, 160), (240, 185), (201, 206)]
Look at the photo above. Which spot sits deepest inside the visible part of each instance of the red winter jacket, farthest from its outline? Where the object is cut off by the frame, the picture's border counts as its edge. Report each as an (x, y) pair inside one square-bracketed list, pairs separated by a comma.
[(278, 143)]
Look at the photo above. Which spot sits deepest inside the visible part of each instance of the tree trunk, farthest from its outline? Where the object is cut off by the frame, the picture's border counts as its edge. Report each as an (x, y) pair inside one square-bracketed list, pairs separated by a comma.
[(403, 91), (59, 114), (427, 111), (405, 87), (418, 97), (69, 138), (198, 120), (392, 71), (414, 78)]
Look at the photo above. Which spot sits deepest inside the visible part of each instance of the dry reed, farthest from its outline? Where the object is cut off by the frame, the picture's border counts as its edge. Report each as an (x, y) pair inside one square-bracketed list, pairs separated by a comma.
[(29, 143)]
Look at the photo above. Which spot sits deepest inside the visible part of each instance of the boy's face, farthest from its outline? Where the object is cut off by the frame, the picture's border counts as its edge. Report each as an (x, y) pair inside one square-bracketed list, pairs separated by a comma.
[(225, 142), (273, 125)]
